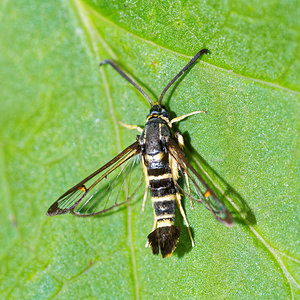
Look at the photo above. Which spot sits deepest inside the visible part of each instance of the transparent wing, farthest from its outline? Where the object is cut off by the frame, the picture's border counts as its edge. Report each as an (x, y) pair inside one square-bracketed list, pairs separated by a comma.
[(104, 189), (198, 189)]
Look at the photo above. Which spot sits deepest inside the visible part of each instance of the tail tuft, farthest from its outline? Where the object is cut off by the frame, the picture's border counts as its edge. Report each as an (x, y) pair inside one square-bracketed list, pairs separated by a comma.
[(165, 239)]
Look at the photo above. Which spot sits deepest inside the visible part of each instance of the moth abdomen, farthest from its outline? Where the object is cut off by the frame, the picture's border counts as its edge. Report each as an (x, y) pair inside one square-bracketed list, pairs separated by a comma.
[(163, 196)]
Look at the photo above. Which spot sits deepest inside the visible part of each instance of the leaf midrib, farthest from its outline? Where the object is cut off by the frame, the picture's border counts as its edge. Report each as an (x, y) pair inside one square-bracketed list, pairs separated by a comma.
[(93, 37)]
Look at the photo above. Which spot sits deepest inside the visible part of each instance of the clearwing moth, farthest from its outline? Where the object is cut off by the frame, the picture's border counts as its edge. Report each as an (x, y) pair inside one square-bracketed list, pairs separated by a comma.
[(163, 162)]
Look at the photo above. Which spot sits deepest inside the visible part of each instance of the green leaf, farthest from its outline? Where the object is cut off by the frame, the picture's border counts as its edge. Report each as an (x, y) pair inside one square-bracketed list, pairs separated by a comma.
[(59, 122)]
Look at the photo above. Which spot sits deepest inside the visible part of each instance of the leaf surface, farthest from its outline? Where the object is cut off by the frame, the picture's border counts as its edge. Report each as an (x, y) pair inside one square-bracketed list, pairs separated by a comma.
[(59, 122)]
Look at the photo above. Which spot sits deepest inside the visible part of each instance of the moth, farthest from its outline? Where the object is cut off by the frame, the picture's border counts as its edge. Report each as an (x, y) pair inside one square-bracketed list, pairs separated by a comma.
[(163, 162)]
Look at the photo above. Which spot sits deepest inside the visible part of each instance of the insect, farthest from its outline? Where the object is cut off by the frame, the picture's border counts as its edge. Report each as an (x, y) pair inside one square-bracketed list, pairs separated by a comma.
[(163, 162)]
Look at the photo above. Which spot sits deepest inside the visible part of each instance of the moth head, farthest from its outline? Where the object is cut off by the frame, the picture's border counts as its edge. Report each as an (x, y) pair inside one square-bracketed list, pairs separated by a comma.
[(158, 111)]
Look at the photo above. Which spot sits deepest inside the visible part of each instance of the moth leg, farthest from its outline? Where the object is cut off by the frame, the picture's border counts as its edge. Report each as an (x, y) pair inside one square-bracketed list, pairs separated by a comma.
[(145, 197), (178, 201), (180, 141), (146, 179), (186, 176), (154, 227), (187, 115), (131, 127)]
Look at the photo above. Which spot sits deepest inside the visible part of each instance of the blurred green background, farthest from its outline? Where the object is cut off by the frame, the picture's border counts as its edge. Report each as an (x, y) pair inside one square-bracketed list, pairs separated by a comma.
[(59, 122)]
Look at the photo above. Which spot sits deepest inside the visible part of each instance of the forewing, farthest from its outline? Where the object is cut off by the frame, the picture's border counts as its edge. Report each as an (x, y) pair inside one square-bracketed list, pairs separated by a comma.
[(110, 186), (197, 188)]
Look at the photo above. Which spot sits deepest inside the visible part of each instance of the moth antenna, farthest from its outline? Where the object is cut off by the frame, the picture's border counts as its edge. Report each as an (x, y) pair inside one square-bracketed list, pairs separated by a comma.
[(190, 63), (124, 75)]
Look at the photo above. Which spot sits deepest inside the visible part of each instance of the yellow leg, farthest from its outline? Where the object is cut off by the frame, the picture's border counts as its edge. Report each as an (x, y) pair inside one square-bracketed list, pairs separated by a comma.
[(146, 179), (145, 197), (178, 201), (131, 127), (180, 141), (189, 190), (187, 115)]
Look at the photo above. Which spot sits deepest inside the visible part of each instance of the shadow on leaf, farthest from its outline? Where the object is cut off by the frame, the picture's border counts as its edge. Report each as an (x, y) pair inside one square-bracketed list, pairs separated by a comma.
[(240, 210)]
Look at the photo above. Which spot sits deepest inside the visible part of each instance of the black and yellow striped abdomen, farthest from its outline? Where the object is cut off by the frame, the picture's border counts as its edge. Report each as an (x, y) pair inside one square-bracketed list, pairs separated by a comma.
[(162, 188)]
